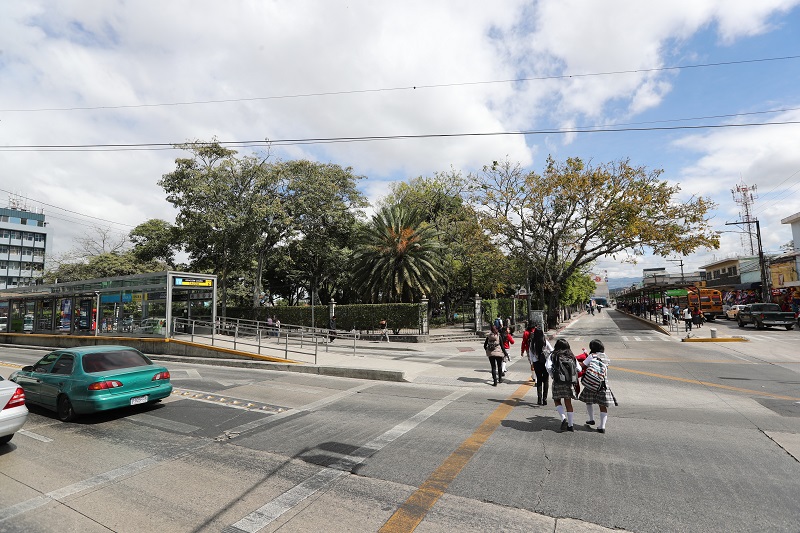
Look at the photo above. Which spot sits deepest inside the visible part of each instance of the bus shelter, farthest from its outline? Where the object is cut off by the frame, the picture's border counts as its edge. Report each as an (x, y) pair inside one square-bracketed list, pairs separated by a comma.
[(140, 304)]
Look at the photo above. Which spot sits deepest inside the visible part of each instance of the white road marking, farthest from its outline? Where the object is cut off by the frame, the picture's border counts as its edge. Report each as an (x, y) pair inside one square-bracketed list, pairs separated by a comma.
[(309, 407), (96, 481), (35, 436), (191, 373), (270, 512)]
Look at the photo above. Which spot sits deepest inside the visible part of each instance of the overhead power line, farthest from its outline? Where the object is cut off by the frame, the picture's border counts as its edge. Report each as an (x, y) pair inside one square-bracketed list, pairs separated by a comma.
[(73, 212), (408, 87), (368, 138)]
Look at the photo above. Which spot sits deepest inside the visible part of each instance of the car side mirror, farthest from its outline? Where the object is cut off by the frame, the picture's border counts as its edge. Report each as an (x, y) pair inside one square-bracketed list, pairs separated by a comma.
[(27, 369)]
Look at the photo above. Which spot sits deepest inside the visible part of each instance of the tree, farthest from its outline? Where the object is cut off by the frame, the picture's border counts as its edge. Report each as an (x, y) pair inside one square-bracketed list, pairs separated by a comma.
[(572, 214), (397, 257), (470, 261), (154, 240), (220, 209), (322, 204)]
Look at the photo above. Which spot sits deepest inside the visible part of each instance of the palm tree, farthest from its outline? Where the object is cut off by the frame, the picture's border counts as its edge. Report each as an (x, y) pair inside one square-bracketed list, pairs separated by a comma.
[(397, 256)]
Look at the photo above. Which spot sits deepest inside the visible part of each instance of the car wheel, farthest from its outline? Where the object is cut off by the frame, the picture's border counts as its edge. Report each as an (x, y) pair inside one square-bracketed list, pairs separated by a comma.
[(6, 439), (741, 324), (65, 411), (789, 327)]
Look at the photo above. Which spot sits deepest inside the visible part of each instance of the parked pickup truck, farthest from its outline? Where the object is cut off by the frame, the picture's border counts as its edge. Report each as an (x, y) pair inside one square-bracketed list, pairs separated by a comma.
[(764, 315)]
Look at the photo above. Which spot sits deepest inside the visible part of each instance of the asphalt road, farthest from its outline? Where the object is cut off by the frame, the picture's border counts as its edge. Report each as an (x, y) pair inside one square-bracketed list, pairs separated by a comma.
[(705, 439)]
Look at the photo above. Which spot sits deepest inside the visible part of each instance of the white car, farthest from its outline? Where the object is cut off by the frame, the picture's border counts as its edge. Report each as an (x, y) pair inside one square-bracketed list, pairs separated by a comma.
[(732, 311), (13, 413)]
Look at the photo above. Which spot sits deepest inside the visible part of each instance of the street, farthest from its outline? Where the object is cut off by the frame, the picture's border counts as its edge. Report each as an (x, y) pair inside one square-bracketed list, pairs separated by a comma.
[(706, 438)]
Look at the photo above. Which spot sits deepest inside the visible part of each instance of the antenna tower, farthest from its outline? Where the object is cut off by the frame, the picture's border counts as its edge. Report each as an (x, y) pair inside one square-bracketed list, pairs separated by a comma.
[(745, 196)]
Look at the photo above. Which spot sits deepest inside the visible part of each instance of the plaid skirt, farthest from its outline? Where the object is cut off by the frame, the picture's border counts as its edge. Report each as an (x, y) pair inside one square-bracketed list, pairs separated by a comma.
[(601, 397), (562, 389)]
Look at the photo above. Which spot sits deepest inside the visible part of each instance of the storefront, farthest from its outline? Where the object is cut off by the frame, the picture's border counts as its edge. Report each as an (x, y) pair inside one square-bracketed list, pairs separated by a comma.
[(141, 305)]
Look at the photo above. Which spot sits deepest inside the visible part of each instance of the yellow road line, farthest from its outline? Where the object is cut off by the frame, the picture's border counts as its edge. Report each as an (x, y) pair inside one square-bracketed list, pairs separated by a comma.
[(708, 384), (409, 515)]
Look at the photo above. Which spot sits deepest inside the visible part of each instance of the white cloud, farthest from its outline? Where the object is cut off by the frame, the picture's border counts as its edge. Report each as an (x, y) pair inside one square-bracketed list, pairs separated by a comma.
[(263, 56)]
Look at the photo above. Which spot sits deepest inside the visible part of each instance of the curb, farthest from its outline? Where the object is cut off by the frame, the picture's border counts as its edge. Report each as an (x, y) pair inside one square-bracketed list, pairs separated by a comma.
[(333, 371), (720, 339)]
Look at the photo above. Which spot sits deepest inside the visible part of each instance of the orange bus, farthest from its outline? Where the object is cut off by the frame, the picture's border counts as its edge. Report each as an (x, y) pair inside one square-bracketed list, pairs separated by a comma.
[(709, 301)]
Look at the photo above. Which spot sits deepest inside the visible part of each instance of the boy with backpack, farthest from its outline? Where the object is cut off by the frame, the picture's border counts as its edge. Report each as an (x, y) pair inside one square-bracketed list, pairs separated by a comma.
[(595, 388)]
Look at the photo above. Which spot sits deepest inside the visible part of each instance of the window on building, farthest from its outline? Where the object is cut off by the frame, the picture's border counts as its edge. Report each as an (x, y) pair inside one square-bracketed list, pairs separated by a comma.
[(732, 271)]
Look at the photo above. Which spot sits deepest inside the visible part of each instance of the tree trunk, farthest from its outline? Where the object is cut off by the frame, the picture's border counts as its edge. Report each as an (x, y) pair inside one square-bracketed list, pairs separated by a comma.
[(257, 281), (553, 308)]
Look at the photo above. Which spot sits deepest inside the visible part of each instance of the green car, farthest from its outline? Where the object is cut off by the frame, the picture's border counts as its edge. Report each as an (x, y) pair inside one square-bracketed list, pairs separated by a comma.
[(77, 381)]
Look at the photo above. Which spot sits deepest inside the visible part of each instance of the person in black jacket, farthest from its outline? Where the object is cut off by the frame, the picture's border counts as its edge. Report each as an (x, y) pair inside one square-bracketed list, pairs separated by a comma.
[(536, 357)]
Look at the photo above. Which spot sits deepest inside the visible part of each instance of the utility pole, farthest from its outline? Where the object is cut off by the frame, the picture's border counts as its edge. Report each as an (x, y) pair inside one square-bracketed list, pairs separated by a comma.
[(762, 263), (681, 263)]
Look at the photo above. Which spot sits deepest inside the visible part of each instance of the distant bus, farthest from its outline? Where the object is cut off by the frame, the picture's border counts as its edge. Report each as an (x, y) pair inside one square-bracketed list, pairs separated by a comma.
[(709, 301), (600, 301)]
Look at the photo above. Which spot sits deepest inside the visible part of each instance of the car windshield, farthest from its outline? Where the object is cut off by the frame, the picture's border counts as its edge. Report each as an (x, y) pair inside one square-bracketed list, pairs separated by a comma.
[(113, 360)]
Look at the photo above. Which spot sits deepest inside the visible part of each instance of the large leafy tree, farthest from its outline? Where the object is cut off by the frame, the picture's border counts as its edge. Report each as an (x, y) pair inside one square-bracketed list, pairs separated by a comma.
[(323, 203), (470, 262), (397, 257), (218, 197), (562, 220), (155, 240)]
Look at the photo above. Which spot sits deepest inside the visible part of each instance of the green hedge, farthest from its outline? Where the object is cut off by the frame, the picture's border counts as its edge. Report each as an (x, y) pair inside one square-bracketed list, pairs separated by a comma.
[(362, 317)]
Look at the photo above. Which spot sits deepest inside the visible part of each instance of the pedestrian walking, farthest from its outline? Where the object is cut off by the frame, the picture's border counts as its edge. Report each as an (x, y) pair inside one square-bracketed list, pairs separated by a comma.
[(332, 329), (565, 374), (507, 339), (384, 330), (580, 358), (603, 395), (697, 317), (538, 352), (495, 352), (527, 339), (687, 319)]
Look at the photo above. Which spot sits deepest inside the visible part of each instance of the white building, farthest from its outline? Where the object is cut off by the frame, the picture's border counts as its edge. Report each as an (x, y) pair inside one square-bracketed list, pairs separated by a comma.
[(24, 246)]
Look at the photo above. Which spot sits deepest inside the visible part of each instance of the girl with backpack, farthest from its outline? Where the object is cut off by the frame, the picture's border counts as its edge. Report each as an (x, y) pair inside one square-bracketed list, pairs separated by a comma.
[(565, 375), (592, 394), (495, 351), (537, 359)]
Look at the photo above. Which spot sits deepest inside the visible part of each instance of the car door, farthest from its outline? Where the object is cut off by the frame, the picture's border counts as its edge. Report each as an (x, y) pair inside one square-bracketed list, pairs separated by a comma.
[(56, 380), (31, 380)]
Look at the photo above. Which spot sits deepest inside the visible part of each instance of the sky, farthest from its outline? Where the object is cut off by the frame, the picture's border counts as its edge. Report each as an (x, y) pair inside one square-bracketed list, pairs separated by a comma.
[(93, 94)]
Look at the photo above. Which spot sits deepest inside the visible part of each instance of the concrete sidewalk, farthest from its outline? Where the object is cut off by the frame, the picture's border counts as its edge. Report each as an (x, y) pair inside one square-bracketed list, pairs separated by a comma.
[(384, 361)]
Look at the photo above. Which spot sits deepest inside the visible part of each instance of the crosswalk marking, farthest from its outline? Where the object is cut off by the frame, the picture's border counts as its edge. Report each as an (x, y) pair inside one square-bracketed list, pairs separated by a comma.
[(625, 338)]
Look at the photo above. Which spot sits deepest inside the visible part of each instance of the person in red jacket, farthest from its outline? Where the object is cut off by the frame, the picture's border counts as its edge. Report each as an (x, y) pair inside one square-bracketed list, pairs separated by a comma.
[(508, 340), (581, 357)]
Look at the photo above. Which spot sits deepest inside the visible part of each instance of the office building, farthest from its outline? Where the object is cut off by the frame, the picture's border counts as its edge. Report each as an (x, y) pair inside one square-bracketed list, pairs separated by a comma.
[(24, 246)]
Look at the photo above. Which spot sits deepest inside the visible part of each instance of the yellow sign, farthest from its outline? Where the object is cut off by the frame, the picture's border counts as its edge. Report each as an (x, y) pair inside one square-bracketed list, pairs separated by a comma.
[(193, 282)]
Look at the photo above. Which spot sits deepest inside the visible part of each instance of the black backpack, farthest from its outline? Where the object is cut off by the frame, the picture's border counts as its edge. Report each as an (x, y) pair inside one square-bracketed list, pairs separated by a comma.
[(564, 369)]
